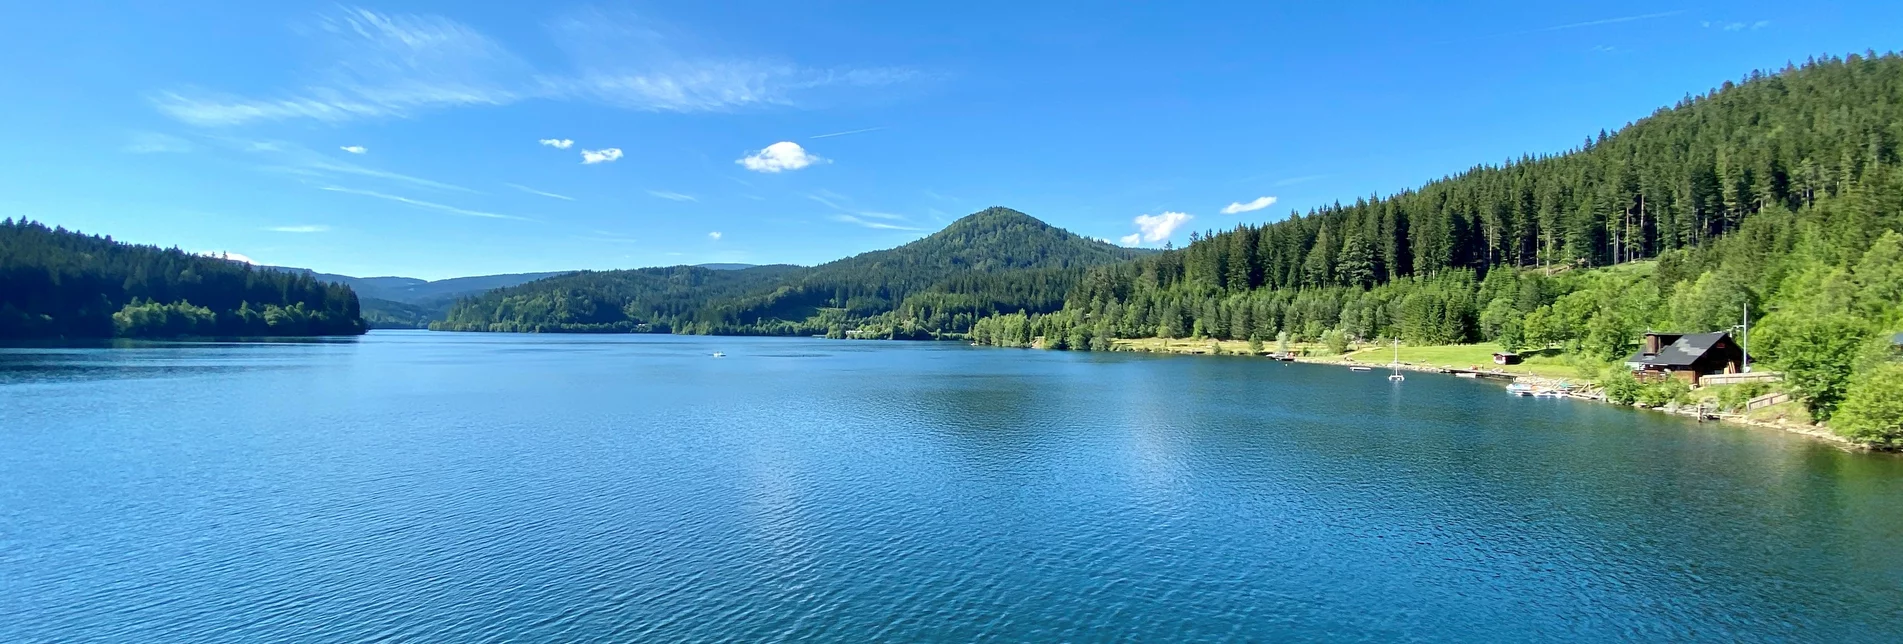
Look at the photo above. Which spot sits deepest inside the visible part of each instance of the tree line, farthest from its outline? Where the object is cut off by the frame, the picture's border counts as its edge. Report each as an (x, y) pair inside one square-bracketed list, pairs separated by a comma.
[(56, 283)]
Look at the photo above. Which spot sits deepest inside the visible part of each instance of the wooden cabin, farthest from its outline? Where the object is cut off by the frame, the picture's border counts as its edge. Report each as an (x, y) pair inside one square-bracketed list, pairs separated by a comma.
[(1506, 357), (1686, 356)]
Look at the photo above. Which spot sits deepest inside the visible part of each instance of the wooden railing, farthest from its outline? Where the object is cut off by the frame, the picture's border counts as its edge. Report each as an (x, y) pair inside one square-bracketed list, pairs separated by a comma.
[(1736, 378), (1766, 401)]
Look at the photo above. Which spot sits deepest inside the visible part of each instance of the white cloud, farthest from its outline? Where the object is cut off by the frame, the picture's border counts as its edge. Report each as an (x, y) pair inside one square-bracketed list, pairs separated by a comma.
[(1239, 207), (354, 149), (380, 65), (155, 143), (221, 254), (878, 225), (672, 196), (785, 155), (298, 229), (425, 204), (605, 155), (533, 191), (1131, 239), (1156, 228), (714, 235), (559, 144)]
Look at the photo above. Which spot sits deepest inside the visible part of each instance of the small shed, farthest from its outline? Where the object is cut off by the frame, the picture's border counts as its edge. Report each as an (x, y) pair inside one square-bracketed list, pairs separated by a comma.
[(1506, 357), (1686, 356)]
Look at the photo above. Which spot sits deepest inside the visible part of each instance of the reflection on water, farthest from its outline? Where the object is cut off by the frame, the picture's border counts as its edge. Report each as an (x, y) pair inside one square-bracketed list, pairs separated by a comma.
[(412, 485)]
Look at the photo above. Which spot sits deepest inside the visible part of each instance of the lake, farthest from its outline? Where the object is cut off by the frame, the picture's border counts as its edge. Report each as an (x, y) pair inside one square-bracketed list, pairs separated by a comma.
[(477, 487)]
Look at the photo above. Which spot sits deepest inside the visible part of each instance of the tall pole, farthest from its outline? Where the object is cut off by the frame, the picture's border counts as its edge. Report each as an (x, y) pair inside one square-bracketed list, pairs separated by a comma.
[(1746, 343)]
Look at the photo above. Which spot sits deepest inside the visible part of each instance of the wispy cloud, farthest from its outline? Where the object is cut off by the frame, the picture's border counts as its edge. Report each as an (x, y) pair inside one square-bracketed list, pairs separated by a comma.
[(714, 235), (1737, 26), (672, 196), (880, 225), (1131, 239), (638, 63), (354, 149), (424, 204), (843, 204), (379, 65), (847, 133), (283, 156), (1295, 180), (1580, 25), (832, 199), (559, 144), (299, 229), (1257, 204), (533, 191), (605, 236), (779, 157), (1156, 228), (155, 143), (604, 155)]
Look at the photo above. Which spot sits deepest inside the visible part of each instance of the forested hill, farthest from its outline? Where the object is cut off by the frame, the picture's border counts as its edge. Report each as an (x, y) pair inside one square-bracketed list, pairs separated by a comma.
[(1781, 194), (57, 283), (991, 261)]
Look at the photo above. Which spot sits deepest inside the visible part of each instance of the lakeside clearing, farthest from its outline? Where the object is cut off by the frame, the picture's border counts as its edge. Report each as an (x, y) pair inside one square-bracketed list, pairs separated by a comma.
[(1549, 365), (1548, 368)]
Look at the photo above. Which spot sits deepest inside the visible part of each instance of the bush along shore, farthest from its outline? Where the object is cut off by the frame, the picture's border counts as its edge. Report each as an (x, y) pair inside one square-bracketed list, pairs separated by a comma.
[(1548, 371)]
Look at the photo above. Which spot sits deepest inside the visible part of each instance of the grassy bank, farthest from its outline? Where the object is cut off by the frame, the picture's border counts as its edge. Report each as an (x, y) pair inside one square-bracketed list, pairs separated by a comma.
[(1549, 364)]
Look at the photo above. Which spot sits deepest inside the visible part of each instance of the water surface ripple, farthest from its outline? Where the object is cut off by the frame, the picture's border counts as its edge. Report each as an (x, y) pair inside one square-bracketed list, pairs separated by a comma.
[(451, 487)]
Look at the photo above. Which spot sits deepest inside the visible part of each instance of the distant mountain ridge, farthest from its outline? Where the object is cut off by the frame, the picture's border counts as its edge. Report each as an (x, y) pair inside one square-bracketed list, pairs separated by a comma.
[(991, 261), (411, 303), (410, 290)]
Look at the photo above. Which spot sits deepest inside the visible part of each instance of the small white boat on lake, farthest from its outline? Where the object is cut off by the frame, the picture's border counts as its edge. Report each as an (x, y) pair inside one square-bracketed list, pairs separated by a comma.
[(718, 354)]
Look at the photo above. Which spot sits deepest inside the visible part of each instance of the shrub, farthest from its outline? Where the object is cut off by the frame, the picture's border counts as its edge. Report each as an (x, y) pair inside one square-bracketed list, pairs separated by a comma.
[(1336, 341), (1621, 388), (1872, 410)]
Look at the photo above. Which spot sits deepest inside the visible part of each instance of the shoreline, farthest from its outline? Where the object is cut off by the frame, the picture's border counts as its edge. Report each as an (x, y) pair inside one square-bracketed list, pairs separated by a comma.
[(1505, 376)]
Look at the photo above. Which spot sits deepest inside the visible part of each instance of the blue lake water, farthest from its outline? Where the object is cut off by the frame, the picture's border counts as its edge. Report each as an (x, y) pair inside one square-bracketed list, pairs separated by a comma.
[(474, 487)]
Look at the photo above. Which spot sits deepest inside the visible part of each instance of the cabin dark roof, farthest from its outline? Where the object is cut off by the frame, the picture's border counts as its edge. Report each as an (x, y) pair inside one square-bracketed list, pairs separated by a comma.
[(1681, 353)]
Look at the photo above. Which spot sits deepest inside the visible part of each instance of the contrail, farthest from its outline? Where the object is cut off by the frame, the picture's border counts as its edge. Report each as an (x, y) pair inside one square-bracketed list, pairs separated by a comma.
[(870, 129), (1607, 21)]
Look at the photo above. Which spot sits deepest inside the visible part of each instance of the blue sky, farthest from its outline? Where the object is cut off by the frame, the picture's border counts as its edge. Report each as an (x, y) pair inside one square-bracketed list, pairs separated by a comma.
[(439, 139)]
